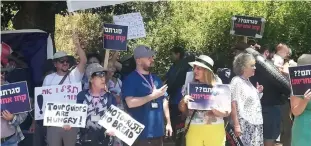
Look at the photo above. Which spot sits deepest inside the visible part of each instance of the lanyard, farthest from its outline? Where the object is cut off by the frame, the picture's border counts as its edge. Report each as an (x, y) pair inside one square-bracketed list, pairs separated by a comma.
[(151, 79)]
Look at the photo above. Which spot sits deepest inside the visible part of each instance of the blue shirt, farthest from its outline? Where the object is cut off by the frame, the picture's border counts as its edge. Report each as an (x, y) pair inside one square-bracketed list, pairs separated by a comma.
[(153, 118), (177, 96)]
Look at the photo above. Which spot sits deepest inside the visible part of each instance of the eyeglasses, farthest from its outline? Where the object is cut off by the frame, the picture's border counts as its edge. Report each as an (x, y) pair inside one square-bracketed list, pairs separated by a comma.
[(99, 74), (63, 61)]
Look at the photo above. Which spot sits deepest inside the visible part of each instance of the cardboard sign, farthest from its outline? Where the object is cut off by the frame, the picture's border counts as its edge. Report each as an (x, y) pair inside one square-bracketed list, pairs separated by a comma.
[(123, 125), (60, 114), (115, 37), (135, 23), (66, 93), (15, 98), (247, 26), (205, 95), (300, 79)]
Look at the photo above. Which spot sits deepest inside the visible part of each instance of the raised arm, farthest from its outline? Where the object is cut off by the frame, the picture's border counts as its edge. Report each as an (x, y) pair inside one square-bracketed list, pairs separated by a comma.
[(81, 54)]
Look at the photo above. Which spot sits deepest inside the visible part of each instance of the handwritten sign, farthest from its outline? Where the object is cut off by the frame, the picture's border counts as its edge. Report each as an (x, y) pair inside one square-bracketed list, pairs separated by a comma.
[(247, 26), (135, 23), (15, 98), (300, 78), (205, 95), (123, 125), (60, 114), (66, 93), (115, 37)]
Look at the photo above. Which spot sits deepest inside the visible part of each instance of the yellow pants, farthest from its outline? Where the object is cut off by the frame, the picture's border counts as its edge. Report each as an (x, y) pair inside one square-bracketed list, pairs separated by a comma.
[(206, 135)]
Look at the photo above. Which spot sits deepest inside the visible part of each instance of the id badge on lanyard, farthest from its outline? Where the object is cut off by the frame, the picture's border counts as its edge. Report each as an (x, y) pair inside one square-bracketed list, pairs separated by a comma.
[(154, 103)]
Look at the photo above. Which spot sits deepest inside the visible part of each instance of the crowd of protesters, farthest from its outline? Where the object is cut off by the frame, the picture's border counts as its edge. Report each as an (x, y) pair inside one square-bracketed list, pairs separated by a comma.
[(257, 111)]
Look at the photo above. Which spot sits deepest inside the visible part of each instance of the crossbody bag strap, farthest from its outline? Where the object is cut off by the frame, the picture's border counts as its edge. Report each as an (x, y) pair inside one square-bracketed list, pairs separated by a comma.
[(188, 125), (66, 75)]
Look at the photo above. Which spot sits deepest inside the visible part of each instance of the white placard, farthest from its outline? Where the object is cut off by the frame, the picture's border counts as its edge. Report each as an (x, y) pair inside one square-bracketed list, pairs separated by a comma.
[(66, 93), (135, 23), (61, 114), (123, 125)]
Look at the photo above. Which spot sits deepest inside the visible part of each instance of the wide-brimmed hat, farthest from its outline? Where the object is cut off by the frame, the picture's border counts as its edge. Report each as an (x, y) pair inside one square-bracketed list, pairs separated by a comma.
[(304, 59), (203, 61), (92, 68), (60, 54)]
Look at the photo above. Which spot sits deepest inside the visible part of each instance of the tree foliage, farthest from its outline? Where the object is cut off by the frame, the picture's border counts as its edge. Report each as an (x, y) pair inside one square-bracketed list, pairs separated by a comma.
[(201, 27)]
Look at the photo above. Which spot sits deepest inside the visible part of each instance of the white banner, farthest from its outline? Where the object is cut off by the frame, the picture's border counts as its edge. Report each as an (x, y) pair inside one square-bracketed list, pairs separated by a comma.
[(135, 23), (74, 5), (123, 125), (60, 114), (66, 93)]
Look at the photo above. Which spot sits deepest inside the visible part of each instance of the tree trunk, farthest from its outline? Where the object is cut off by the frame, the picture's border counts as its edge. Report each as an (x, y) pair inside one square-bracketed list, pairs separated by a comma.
[(36, 15)]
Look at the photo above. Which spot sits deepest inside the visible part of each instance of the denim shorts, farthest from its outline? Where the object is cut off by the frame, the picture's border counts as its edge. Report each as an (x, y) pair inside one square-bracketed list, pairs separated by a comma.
[(10, 142), (271, 122)]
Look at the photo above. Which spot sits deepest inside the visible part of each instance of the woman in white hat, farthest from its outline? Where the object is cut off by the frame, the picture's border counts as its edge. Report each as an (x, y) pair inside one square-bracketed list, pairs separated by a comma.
[(246, 107), (206, 126), (301, 109)]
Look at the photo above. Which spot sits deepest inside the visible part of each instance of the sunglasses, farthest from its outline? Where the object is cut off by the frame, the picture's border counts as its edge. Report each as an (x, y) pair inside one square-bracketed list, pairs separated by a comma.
[(63, 61), (3, 72), (99, 74)]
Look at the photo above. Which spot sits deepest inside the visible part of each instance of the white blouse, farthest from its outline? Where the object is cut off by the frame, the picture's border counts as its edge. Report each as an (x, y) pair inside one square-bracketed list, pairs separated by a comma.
[(247, 99)]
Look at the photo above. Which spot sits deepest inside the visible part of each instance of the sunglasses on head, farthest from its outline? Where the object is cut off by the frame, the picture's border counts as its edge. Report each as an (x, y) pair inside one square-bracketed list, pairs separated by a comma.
[(99, 74)]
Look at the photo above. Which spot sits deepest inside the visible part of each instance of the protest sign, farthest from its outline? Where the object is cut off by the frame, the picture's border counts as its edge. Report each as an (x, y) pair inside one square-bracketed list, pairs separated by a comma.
[(123, 125), (115, 37), (135, 23), (66, 93), (231, 138), (205, 95), (15, 98), (247, 26), (300, 78), (60, 114)]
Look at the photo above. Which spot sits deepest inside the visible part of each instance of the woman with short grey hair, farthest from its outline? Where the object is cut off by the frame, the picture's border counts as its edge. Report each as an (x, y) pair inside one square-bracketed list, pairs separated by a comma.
[(246, 107)]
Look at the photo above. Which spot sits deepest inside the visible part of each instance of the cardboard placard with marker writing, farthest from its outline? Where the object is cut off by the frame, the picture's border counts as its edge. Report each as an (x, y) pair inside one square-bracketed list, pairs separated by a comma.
[(60, 114), (66, 93)]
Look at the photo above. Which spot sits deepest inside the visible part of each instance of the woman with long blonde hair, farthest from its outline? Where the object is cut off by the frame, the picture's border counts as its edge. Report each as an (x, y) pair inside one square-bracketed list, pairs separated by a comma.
[(206, 127)]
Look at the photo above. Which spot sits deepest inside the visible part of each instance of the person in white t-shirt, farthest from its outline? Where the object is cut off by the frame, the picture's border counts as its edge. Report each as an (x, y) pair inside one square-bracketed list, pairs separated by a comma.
[(67, 135), (282, 51)]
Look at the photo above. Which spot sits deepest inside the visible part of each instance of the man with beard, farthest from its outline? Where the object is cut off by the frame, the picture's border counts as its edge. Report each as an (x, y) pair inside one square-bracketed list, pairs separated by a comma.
[(68, 135), (144, 96)]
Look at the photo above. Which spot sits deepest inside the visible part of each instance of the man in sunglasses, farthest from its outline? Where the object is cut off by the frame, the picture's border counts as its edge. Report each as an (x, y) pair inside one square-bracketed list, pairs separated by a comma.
[(67, 135), (144, 96)]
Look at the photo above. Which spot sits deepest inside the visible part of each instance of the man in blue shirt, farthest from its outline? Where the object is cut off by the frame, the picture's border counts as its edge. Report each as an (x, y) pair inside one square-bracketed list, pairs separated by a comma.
[(144, 96)]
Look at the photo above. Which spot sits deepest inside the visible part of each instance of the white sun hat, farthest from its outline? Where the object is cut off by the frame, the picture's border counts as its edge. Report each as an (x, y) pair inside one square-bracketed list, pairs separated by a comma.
[(203, 61)]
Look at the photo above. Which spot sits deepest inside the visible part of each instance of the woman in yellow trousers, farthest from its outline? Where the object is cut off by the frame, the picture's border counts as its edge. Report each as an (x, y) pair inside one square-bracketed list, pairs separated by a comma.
[(206, 126)]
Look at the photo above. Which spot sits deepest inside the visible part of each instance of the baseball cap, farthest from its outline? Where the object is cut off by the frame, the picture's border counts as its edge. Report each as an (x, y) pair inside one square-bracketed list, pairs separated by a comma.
[(59, 54), (143, 51), (92, 68)]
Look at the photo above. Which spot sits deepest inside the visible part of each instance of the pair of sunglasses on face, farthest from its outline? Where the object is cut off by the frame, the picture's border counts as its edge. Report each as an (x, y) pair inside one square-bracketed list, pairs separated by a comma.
[(99, 74), (3, 72)]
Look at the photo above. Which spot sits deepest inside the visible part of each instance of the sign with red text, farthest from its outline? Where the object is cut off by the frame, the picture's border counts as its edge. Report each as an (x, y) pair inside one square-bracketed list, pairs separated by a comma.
[(15, 98), (300, 79), (66, 93), (115, 37), (247, 26), (121, 124), (61, 114), (205, 95)]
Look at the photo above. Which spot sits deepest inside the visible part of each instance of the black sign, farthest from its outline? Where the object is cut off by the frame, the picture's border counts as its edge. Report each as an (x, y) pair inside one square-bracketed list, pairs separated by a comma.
[(115, 37), (232, 140), (300, 78), (247, 26)]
